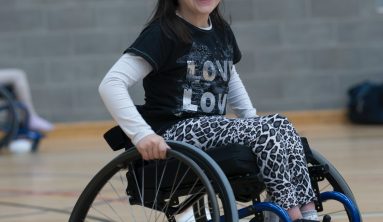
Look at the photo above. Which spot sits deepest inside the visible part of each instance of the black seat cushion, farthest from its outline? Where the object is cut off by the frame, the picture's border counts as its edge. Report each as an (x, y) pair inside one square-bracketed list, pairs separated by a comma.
[(235, 159)]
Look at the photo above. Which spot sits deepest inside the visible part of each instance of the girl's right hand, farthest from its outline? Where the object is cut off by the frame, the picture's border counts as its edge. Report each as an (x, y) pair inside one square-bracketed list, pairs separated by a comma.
[(152, 147)]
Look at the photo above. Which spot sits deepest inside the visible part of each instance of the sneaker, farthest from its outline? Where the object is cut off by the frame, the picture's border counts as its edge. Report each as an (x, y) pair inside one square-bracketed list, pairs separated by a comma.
[(186, 216), (20, 146), (326, 218)]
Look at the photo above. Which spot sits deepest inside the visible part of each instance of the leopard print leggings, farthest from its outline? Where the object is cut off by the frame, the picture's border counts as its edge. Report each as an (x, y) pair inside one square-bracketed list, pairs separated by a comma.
[(274, 141)]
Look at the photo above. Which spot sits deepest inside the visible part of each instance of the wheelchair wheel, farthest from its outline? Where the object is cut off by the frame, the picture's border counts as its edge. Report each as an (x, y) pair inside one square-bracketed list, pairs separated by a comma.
[(251, 195), (8, 117), (332, 180), (175, 189)]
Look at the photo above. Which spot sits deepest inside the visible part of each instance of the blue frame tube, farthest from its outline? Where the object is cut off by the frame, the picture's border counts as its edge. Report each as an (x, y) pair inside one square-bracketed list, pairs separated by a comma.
[(283, 215), (347, 202), (263, 206)]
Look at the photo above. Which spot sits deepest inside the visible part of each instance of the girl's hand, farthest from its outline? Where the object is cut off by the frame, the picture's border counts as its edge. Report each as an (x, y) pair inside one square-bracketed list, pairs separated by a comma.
[(152, 147)]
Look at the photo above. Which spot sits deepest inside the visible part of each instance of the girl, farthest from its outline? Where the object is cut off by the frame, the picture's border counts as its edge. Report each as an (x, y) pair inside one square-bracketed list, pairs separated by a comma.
[(186, 56)]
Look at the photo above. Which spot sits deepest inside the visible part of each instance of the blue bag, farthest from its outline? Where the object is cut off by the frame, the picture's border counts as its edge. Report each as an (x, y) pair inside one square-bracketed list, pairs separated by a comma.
[(366, 103)]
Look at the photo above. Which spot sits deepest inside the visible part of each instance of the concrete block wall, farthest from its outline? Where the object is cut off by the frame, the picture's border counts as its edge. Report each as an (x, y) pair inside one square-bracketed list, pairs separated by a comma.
[(297, 54)]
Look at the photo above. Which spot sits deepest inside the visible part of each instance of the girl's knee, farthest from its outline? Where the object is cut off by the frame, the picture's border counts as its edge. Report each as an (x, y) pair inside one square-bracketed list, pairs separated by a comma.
[(14, 73), (282, 120), (19, 74), (280, 117)]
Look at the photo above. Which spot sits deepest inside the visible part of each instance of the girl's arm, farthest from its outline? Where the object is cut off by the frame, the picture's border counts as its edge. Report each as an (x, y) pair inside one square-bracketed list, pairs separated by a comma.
[(238, 98), (127, 71), (114, 92)]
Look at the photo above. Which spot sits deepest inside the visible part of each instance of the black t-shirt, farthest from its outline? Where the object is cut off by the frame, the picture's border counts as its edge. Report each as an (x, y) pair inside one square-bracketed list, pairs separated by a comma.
[(188, 80)]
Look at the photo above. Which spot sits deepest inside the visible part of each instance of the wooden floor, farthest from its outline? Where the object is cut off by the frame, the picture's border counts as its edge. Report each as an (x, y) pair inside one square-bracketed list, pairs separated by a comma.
[(44, 186)]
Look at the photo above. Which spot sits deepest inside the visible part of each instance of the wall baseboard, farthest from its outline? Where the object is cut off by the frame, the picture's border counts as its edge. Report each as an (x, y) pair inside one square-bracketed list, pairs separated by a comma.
[(317, 117), (98, 128)]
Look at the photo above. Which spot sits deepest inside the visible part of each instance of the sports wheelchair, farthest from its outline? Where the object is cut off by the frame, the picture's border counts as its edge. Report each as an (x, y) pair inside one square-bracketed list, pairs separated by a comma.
[(222, 184), (14, 120)]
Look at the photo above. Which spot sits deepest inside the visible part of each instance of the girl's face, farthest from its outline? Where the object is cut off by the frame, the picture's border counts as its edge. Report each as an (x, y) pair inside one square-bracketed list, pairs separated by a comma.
[(197, 8)]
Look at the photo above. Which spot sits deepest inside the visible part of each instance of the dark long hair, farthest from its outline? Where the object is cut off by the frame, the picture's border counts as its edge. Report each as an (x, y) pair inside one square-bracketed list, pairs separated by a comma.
[(165, 12)]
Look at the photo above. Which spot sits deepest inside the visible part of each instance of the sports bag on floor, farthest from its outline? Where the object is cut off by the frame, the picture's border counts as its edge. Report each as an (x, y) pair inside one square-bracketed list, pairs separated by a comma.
[(366, 103)]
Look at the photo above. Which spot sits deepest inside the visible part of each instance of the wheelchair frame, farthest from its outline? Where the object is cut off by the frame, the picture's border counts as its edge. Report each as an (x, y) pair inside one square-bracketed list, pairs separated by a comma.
[(17, 117), (320, 169)]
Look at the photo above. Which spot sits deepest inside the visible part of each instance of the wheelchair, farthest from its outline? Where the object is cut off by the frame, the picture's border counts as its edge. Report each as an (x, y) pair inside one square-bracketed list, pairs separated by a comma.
[(14, 120), (221, 184)]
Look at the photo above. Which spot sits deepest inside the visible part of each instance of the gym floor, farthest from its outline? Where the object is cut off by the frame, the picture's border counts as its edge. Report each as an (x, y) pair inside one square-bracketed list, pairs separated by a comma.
[(44, 186)]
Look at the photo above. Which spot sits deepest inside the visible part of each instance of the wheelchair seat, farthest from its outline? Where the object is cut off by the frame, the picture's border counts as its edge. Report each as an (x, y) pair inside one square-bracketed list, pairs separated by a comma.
[(237, 161), (14, 120)]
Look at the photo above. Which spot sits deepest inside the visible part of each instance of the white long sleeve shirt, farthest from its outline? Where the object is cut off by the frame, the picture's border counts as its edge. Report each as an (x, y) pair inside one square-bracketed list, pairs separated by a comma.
[(128, 70)]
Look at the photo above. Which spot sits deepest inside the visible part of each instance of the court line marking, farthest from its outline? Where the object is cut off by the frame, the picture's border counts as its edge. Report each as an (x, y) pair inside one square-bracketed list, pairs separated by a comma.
[(40, 193), (34, 207)]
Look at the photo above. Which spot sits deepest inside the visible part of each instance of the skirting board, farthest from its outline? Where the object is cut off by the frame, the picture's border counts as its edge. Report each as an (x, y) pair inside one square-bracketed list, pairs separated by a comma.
[(97, 128)]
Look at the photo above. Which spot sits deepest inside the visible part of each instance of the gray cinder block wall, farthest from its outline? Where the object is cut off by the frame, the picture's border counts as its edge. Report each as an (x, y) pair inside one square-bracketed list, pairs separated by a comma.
[(297, 54)]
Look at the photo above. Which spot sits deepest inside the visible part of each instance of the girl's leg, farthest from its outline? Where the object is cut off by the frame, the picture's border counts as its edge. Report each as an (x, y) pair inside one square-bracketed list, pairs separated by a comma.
[(275, 157), (298, 166)]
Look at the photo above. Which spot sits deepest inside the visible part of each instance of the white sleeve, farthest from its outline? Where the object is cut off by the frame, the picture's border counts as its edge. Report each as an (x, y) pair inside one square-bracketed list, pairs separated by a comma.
[(113, 90), (238, 99)]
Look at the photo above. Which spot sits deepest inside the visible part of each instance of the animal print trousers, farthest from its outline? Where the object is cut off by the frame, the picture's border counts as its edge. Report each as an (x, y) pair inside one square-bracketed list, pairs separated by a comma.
[(273, 140)]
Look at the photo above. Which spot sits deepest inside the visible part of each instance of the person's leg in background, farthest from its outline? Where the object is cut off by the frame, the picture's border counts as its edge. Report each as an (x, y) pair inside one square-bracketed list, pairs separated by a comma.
[(18, 80)]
